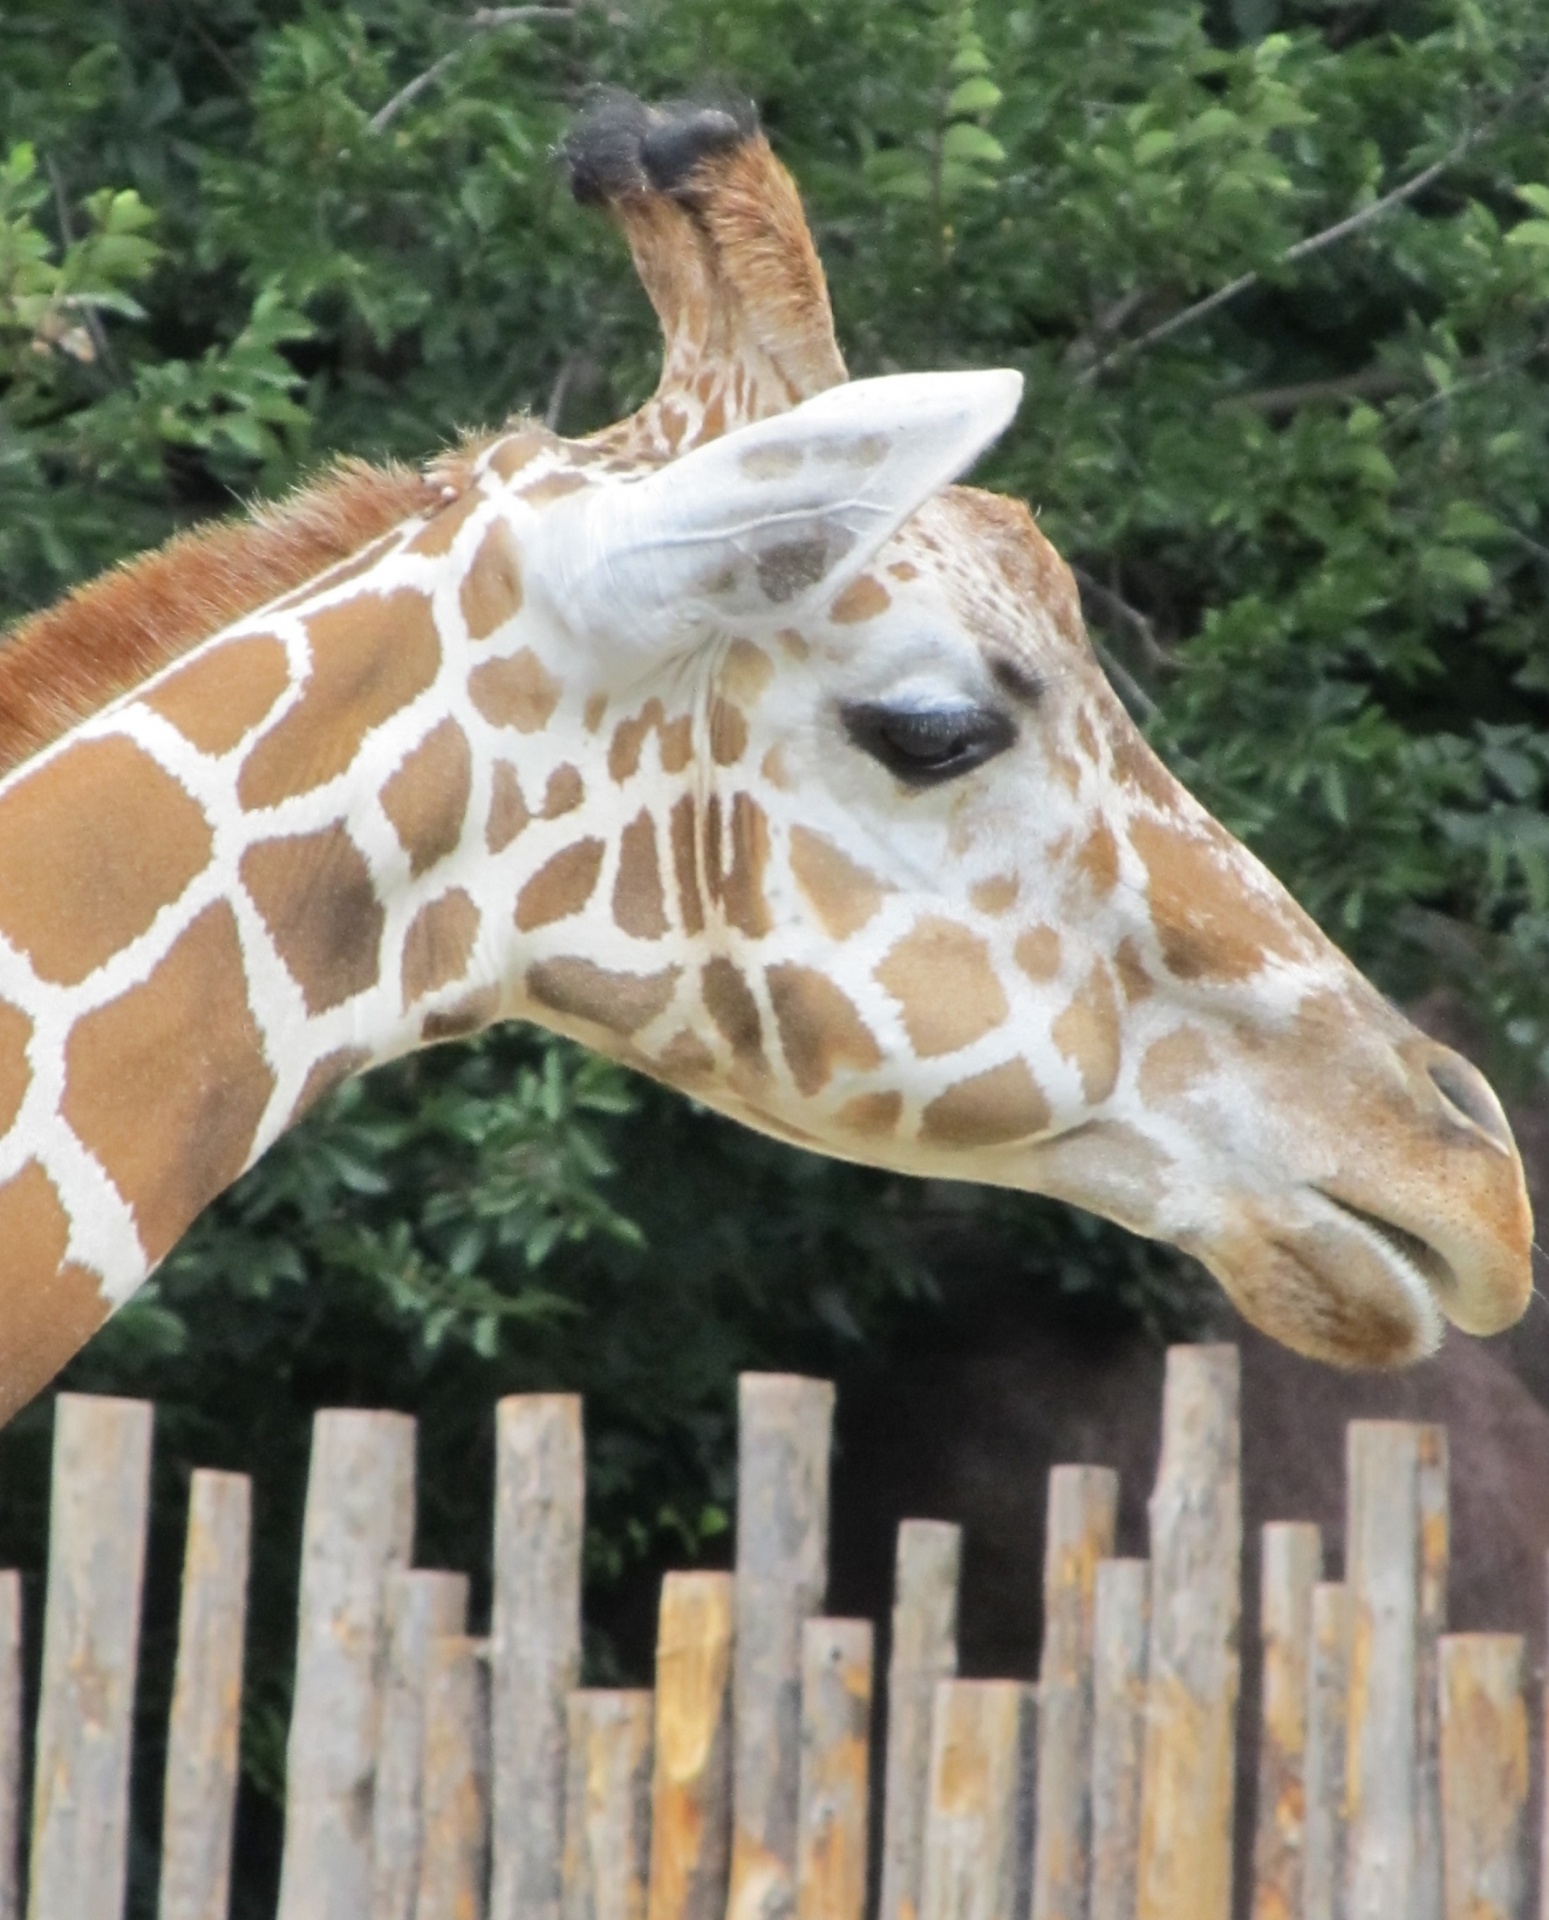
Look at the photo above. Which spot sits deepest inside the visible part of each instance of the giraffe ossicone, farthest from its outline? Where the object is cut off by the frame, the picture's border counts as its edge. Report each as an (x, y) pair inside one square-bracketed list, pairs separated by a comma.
[(734, 741)]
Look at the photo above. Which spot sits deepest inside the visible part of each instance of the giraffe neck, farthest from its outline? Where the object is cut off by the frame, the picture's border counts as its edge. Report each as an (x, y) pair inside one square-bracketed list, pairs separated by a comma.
[(305, 848)]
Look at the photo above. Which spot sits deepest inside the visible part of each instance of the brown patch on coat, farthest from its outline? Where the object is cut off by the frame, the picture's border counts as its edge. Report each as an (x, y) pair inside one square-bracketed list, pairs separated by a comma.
[(507, 809), (863, 599), (51, 1308), (873, 1114), (166, 1085), (774, 770), (564, 792), (730, 1004), (996, 894), (947, 990), (639, 907), (470, 1013), (427, 798), (685, 1057), (216, 700), (1134, 975), (491, 592), (904, 570), (1211, 920), (739, 884), (370, 658), (728, 733), (509, 456), (438, 944), (113, 634), (1098, 859), (629, 737), (97, 841), (1137, 767), (561, 886), (745, 673), (1006, 1103), (1087, 1033), (553, 486), (435, 540), (326, 1074), (592, 714), (1173, 1064), (15, 1073), (820, 1029), (315, 894), (1037, 953), (516, 692), (677, 743), (685, 863), (844, 896), (621, 1002)]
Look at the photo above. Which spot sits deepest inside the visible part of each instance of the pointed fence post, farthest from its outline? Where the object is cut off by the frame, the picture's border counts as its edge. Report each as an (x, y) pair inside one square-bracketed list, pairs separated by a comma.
[(422, 1607), (607, 1804), (1484, 1776), (535, 1641), (91, 1637), (831, 1827), (1119, 1640), (1083, 1508), (200, 1802), (691, 1762), (785, 1432), (1193, 1670), (924, 1651), (1382, 1559), (358, 1531), (1292, 1560)]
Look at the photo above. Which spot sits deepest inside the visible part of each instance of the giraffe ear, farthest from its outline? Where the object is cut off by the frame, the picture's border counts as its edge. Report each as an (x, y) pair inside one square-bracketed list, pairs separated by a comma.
[(758, 527)]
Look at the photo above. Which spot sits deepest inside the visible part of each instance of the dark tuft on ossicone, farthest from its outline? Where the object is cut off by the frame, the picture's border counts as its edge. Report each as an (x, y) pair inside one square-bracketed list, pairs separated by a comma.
[(620, 147)]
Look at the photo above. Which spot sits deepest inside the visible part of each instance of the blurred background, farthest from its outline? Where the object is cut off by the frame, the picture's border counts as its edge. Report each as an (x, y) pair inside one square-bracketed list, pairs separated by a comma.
[(1277, 272)]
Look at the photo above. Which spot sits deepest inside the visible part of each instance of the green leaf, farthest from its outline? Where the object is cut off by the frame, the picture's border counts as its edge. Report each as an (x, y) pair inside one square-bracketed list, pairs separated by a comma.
[(966, 143), (974, 96), (1154, 144), (1536, 197), (1529, 233)]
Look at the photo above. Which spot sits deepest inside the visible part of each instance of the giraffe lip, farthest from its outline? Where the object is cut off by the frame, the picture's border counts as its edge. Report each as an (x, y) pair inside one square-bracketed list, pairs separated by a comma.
[(1413, 1256)]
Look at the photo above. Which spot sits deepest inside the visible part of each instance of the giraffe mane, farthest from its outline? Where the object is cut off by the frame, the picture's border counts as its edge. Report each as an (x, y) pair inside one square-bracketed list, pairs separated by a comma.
[(63, 664)]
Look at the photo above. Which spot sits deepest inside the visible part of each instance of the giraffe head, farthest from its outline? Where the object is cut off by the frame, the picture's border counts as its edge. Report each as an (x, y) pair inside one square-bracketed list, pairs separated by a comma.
[(937, 905), (735, 741)]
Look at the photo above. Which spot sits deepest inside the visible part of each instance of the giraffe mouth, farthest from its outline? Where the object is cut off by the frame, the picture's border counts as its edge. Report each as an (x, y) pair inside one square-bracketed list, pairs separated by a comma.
[(1419, 1264)]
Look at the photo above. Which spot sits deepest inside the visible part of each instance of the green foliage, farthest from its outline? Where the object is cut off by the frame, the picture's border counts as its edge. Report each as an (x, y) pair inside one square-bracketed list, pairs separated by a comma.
[(1309, 520)]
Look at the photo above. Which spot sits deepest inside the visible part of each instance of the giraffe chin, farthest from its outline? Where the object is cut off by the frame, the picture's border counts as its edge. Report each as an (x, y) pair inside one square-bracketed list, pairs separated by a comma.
[(1331, 1286)]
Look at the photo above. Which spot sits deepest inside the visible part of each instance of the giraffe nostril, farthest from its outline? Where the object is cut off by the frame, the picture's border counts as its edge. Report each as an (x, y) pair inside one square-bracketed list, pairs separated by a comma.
[(1467, 1092)]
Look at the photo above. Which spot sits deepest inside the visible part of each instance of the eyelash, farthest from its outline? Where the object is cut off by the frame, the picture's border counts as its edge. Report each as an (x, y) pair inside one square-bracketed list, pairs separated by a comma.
[(924, 746)]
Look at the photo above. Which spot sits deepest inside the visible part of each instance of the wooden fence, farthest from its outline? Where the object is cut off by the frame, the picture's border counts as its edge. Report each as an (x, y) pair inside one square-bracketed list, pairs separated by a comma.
[(434, 1775)]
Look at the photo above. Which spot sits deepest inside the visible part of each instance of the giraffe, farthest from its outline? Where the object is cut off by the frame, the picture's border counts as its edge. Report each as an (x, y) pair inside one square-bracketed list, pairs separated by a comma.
[(736, 741)]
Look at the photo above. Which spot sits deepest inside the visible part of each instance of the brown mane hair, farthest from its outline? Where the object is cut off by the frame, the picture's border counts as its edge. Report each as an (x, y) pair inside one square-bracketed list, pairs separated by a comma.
[(63, 664)]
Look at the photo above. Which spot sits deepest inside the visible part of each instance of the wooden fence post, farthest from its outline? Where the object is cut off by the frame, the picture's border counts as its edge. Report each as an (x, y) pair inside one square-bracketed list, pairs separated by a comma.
[(924, 1651), (1292, 1561), (421, 1607), (359, 1529), (1328, 1685), (11, 1735), (607, 1805), (691, 1766), (1083, 1508), (1185, 1867), (977, 1845), (454, 1843), (535, 1645), (785, 1429), (200, 1802), (1430, 1625), (1484, 1774), (91, 1636), (1382, 1559), (1119, 1637), (831, 1827)]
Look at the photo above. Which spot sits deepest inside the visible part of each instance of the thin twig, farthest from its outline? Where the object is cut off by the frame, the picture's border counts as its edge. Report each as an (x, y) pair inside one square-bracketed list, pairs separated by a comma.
[(1370, 383), (101, 345), (482, 20), (1128, 688), (1115, 604), (1314, 243)]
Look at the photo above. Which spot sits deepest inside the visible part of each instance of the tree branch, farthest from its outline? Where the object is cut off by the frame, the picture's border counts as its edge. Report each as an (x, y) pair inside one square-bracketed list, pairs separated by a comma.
[(482, 20), (1315, 242)]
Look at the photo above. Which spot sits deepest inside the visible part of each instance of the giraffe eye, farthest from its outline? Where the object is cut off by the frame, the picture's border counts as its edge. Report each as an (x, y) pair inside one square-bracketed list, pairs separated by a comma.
[(924, 745)]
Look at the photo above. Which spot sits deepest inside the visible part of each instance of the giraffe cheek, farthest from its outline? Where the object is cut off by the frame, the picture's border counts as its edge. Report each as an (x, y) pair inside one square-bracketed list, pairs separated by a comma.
[(946, 987)]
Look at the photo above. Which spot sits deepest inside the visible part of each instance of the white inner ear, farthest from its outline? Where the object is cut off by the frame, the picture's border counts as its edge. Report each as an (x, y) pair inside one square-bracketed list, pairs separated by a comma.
[(759, 527)]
